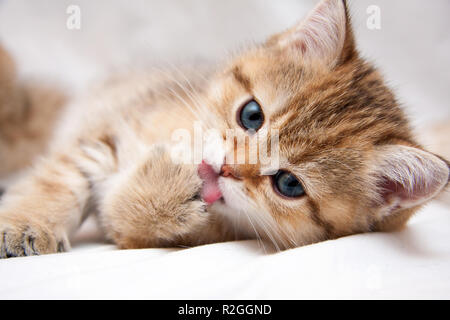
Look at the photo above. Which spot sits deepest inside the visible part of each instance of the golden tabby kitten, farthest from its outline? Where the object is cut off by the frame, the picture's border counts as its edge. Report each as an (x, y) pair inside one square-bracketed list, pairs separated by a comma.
[(347, 160)]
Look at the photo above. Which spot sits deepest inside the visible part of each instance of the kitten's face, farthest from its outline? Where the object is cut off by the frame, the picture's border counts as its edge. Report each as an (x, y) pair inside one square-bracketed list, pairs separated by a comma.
[(347, 161)]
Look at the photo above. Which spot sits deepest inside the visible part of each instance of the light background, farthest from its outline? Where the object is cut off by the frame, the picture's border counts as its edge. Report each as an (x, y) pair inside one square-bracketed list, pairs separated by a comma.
[(412, 48)]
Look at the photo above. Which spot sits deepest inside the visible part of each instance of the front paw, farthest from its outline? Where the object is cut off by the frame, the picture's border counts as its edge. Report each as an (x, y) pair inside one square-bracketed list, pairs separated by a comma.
[(156, 205), (22, 237)]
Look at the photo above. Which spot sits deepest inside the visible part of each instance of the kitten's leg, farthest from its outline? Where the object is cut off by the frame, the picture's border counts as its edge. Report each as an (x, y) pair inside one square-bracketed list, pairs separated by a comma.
[(11, 106), (28, 112), (40, 212), (155, 204)]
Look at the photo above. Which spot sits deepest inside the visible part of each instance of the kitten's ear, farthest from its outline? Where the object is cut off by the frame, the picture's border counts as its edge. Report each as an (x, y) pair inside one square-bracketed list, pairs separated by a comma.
[(326, 34), (407, 177)]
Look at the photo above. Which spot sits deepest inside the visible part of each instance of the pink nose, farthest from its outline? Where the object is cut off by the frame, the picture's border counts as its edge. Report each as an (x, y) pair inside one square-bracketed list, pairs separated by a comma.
[(228, 171)]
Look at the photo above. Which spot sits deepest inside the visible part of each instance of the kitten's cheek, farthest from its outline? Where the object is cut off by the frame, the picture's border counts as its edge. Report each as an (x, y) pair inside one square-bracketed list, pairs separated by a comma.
[(230, 193)]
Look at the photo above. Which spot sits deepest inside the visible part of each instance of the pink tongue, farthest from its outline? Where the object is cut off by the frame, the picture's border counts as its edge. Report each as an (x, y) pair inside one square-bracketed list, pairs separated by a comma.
[(210, 191)]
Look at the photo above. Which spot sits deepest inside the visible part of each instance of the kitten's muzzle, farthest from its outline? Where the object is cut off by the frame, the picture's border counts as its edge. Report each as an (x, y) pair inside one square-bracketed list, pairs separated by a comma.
[(228, 172)]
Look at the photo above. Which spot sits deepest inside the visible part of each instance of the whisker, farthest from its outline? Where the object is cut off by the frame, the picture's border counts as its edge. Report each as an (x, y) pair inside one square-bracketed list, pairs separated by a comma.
[(258, 237), (200, 108), (267, 227), (196, 98)]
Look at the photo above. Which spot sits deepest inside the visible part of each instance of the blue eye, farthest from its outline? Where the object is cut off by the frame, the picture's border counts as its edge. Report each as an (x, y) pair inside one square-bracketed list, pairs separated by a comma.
[(251, 116), (288, 185)]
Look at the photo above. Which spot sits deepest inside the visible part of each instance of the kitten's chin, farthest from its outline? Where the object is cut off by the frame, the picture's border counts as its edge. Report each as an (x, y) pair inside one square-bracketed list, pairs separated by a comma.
[(225, 197), (236, 220), (232, 206)]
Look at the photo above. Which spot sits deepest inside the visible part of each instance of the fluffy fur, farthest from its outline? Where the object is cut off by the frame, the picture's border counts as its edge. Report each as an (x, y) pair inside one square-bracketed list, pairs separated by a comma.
[(341, 132)]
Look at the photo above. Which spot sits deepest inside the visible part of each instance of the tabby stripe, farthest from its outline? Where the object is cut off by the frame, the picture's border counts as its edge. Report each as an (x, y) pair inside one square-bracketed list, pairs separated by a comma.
[(318, 219), (242, 79)]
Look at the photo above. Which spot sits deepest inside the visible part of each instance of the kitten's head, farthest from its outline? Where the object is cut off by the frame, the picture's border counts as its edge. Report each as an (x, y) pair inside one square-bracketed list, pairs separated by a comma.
[(348, 162)]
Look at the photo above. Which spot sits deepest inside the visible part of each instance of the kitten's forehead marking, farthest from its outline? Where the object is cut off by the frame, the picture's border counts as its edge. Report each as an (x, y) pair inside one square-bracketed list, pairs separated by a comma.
[(240, 77), (279, 120)]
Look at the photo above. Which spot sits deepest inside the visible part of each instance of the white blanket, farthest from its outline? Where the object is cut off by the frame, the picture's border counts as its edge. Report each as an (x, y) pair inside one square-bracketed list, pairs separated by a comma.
[(413, 263)]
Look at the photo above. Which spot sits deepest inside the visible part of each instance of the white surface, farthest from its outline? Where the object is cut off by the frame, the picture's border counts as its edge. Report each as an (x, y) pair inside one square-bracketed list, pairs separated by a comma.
[(414, 263), (413, 50)]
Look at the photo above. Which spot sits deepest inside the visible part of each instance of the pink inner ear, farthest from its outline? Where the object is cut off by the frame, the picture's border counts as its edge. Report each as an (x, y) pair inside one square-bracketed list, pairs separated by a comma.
[(395, 189), (409, 177), (321, 36)]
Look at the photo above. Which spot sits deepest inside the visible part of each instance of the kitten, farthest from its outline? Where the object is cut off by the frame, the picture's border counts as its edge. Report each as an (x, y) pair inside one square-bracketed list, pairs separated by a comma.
[(348, 160), (437, 138)]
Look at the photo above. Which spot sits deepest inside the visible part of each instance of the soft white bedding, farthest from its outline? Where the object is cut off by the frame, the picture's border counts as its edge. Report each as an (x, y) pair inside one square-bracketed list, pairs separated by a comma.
[(413, 263)]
